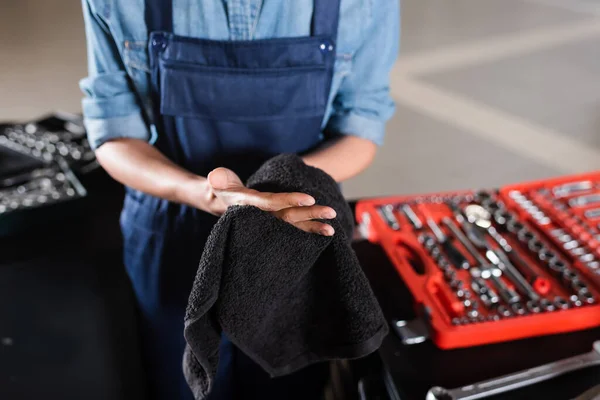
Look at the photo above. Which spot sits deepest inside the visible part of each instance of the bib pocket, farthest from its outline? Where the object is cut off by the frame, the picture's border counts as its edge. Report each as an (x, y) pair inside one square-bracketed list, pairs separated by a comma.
[(238, 94)]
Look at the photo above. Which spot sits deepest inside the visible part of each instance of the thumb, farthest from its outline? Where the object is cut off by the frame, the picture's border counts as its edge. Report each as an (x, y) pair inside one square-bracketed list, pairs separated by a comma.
[(224, 179)]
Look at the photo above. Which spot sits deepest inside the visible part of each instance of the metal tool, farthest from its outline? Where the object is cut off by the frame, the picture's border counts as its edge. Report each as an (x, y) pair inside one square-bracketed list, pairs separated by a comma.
[(491, 205), (585, 200), (507, 294), (587, 298), (501, 261), (464, 241), (525, 235), (387, 214), (498, 257), (517, 380), (502, 217), (587, 257), (457, 285), (579, 287), (518, 309), (505, 312), (423, 238), (513, 226), (547, 305), (573, 244), (454, 254), (478, 215), (478, 287), (564, 238), (533, 307), (540, 284), (515, 194), (532, 209), (561, 303), (486, 272), (575, 300), (482, 293), (569, 275), (437, 231), (592, 214), (546, 255), (557, 232), (535, 245), (443, 264), (557, 265), (411, 216), (474, 234), (485, 299), (568, 189), (485, 289)]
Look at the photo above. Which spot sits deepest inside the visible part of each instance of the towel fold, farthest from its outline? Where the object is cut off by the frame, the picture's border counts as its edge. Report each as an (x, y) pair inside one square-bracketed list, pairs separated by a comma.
[(285, 297)]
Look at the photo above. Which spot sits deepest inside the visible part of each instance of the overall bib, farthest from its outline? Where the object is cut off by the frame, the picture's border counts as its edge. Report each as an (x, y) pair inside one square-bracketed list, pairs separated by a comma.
[(231, 104)]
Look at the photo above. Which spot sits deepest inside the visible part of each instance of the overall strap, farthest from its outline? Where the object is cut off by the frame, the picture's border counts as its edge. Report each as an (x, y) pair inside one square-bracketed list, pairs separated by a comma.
[(325, 18), (159, 15)]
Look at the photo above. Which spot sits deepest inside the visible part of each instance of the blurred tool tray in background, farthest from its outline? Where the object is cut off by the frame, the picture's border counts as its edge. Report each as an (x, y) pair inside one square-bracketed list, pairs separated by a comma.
[(41, 163), (498, 265)]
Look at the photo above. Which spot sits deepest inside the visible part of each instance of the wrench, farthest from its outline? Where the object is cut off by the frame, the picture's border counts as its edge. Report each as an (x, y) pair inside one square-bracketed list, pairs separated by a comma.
[(455, 255), (585, 200), (517, 380), (571, 188), (500, 259), (387, 214), (505, 292), (593, 213), (412, 217)]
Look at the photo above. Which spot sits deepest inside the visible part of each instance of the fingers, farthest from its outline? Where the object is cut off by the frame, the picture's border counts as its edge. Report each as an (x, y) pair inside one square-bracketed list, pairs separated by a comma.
[(229, 187), (303, 218), (298, 209), (315, 227), (224, 179), (293, 215), (275, 201)]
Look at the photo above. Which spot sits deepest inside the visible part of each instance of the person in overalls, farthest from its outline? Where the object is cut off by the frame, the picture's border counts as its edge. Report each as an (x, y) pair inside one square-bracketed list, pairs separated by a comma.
[(185, 100)]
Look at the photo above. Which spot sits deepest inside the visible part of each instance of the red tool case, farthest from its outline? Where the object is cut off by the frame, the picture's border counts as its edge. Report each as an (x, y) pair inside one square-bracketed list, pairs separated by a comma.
[(551, 226)]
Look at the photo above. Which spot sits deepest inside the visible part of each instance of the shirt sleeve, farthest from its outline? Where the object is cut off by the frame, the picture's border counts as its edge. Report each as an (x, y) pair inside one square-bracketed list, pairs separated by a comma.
[(111, 108), (363, 103)]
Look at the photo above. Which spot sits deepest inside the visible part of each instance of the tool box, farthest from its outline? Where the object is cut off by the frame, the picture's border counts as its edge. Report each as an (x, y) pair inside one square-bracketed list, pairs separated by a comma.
[(41, 163), (496, 265)]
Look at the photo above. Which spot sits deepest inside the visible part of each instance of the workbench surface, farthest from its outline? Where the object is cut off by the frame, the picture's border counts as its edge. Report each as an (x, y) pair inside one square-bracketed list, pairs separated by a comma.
[(67, 322)]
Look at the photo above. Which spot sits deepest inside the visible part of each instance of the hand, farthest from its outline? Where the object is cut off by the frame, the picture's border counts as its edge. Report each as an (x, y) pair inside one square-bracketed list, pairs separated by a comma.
[(299, 209)]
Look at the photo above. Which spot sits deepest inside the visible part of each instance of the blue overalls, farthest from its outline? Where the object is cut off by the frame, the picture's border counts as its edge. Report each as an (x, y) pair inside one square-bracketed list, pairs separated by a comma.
[(217, 103)]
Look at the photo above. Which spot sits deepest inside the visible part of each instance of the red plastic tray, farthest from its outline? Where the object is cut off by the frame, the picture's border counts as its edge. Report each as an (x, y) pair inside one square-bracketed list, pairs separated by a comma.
[(432, 292)]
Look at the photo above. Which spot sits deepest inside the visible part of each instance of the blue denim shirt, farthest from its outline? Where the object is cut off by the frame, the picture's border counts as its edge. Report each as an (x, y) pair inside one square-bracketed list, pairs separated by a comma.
[(117, 102)]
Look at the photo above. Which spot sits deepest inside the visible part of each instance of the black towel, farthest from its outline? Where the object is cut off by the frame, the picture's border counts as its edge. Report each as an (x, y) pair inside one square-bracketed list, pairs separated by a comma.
[(285, 297)]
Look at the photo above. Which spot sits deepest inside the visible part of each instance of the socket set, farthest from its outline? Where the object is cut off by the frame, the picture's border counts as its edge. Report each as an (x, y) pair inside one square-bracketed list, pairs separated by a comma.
[(50, 184), (496, 265), (40, 162), (60, 136)]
